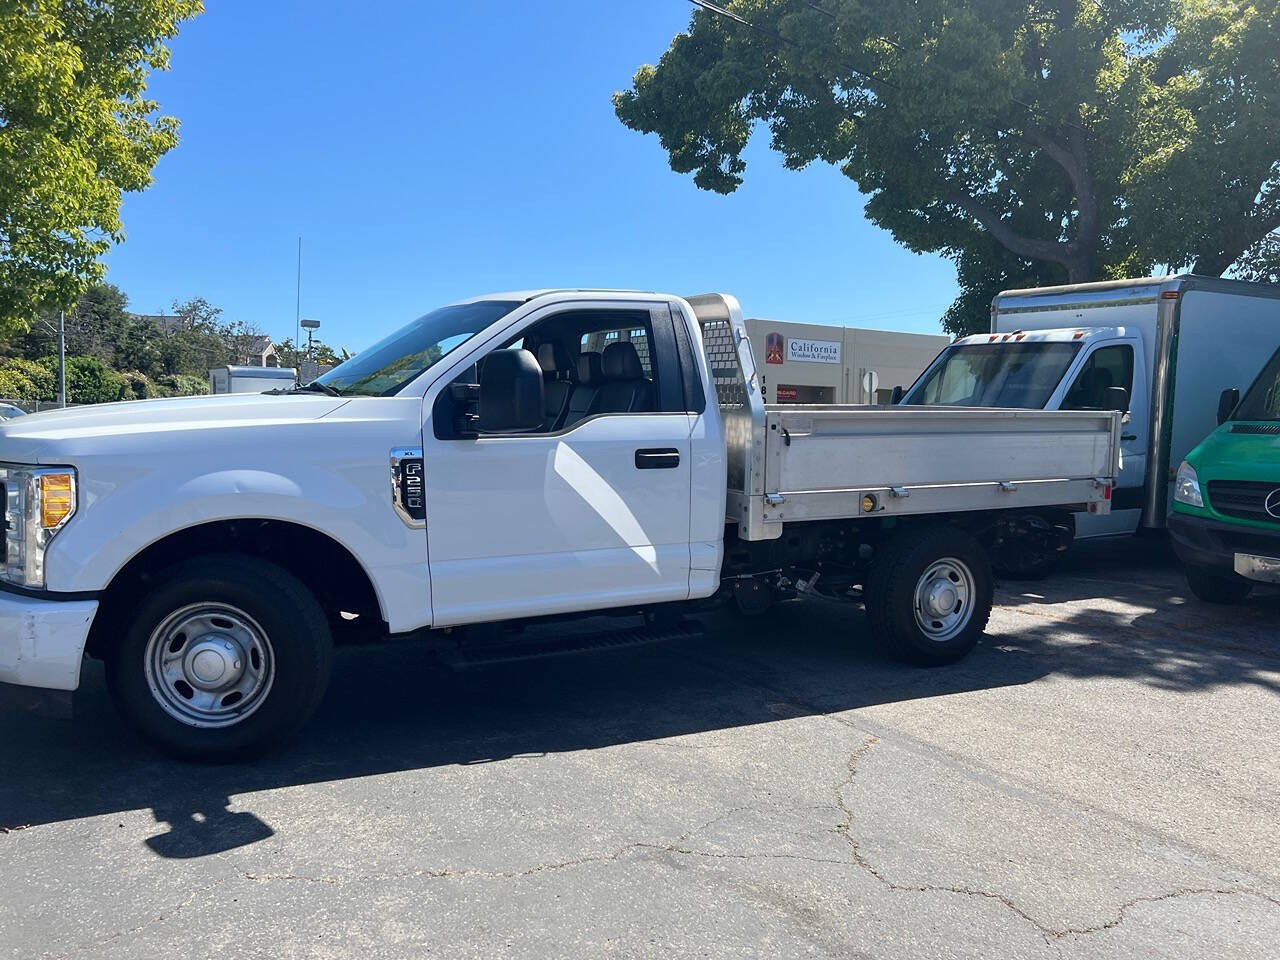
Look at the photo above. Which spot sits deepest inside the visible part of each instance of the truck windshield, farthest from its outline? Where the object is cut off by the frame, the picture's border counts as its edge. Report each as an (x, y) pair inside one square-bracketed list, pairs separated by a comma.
[(392, 362), (1262, 402), (995, 375)]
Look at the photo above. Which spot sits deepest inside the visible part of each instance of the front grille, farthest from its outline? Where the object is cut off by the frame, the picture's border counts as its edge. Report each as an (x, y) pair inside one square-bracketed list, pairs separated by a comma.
[(1243, 499), (1272, 429)]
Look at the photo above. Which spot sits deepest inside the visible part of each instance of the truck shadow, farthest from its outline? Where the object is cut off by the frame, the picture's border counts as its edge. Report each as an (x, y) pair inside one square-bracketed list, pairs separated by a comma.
[(1111, 613)]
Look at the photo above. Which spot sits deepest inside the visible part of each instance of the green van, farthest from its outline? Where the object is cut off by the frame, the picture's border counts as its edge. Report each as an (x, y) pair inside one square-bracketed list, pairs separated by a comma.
[(1225, 523)]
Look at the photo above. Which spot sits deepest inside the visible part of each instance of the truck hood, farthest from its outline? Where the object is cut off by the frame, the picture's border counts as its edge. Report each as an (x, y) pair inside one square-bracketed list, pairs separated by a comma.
[(1226, 455), (42, 437)]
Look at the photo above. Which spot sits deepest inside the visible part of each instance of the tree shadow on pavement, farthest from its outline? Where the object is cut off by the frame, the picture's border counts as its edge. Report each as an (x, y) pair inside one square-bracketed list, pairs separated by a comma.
[(390, 708)]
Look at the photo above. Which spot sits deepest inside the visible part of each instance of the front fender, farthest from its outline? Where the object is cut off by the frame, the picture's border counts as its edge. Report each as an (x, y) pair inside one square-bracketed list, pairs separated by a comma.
[(340, 489)]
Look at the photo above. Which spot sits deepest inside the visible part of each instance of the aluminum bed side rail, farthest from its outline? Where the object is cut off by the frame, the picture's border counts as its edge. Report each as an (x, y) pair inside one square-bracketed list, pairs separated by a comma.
[(823, 462)]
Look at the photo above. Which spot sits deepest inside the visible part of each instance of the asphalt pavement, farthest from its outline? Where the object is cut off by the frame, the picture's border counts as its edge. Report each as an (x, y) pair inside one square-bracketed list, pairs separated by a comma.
[(1099, 779)]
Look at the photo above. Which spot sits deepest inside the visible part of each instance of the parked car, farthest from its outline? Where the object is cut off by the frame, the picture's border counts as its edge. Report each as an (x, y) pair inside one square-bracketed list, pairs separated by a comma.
[(1161, 348), (478, 467), (1226, 496), (10, 410)]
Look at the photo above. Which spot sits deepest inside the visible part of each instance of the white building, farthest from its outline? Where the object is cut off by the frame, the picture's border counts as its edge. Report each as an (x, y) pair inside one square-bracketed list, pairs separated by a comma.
[(814, 363)]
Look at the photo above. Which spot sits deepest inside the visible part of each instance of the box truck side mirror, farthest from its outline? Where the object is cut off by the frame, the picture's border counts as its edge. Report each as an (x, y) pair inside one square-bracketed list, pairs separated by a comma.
[(896, 396), (1228, 401), (1115, 398)]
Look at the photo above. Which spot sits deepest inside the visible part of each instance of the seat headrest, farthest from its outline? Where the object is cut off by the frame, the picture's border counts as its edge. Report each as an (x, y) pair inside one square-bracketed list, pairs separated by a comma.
[(589, 369), (552, 357), (621, 362)]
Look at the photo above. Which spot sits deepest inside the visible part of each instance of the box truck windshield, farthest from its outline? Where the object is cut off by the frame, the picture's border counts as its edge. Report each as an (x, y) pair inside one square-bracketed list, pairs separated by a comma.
[(1000, 374), (1262, 402)]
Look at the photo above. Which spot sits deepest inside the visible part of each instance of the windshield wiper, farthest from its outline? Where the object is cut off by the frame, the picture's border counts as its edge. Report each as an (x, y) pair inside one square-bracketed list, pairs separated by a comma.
[(315, 386)]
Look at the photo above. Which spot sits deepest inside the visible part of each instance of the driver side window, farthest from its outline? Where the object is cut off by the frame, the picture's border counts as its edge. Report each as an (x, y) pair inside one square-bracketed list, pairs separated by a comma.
[(593, 363), (1106, 367)]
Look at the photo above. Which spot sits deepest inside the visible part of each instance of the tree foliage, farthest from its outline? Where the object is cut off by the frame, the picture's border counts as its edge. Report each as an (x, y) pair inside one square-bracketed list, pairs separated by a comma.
[(113, 354), (76, 131), (1031, 141)]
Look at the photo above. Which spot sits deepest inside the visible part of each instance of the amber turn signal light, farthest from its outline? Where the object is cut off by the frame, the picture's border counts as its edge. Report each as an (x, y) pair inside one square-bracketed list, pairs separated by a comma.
[(57, 499)]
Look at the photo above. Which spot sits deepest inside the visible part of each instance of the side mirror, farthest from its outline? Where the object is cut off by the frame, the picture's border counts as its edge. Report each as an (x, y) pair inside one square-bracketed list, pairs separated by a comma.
[(510, 392), (1227, 402), (1115, 398), (896, 396)]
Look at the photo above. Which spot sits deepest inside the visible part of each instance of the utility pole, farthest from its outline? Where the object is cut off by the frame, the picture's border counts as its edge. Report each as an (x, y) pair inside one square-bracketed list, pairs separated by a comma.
[(62, 358)]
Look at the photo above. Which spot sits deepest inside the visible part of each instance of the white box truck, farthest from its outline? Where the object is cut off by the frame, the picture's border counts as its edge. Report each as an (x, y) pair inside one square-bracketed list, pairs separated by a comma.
[(1172, 344), (479, 468), (251, 379)]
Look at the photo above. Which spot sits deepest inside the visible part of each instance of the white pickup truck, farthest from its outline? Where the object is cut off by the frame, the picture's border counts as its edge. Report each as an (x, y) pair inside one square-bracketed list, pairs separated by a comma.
[(509, 458)]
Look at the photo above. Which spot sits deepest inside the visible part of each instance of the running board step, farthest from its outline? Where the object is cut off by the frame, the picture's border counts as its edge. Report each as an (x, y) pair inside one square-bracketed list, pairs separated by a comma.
[(516, 650)]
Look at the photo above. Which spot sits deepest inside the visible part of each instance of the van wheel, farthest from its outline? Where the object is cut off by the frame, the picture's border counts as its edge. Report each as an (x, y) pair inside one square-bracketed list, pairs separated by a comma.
[(225, 657), (1218, 588), (930, 594)]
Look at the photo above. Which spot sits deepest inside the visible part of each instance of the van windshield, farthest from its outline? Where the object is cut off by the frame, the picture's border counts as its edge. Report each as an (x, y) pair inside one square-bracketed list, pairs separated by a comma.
[(1262, 402), (995, 375), (393, 361)]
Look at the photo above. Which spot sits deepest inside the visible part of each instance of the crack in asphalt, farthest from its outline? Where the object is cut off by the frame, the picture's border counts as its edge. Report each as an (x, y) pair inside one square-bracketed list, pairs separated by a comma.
[(111, 938), (845, 830)]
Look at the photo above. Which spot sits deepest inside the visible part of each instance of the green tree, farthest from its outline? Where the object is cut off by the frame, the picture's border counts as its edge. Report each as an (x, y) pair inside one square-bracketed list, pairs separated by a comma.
[(1031, 141), (321, 353), (76, 132), (89, 380), (194, 343)]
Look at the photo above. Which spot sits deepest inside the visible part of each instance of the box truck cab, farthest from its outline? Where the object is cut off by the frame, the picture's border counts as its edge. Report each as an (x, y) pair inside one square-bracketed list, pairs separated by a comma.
[(1225, 524), (1172, 344)]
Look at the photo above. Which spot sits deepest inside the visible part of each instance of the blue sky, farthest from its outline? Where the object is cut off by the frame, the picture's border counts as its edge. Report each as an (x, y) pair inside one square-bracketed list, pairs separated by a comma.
[(427, 152)]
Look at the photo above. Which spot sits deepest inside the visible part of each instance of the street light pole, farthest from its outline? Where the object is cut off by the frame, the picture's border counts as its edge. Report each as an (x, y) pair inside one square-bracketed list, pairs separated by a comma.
[(311, 326), (297, 309)]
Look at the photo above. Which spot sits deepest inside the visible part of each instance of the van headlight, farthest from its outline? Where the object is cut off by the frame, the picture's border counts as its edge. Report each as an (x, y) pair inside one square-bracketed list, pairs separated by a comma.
[(1186, 486), (38, 502)]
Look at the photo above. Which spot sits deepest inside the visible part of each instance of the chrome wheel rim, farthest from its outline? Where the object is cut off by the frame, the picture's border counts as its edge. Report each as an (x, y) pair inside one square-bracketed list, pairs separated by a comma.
[(944, 599), (209, 665)]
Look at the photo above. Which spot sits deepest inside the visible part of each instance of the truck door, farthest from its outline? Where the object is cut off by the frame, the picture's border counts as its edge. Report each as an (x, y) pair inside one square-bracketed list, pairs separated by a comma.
[(1116, 363), (589, 511)]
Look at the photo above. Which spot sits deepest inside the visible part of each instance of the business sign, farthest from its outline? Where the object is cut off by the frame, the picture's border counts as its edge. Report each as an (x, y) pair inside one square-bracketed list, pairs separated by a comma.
[(773, 348), (787, 394), (813, 351)]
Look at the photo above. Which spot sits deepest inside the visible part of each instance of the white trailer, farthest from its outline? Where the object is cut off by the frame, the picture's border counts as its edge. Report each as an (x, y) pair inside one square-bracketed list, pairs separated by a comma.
[(251, 379), (1173, 344)]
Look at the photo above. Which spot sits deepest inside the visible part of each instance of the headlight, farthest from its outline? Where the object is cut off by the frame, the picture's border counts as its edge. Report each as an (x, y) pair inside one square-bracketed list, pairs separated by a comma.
[(38, 502), (1186, 486)]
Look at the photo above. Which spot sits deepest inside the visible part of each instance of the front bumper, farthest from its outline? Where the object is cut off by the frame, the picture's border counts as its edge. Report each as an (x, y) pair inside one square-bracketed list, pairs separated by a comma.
[(42, 641), (1214, 545)]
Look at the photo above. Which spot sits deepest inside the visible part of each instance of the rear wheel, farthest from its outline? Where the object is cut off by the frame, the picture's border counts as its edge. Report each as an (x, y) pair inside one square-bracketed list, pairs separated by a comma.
[(1214, 587), (225, 657), (930, 594)]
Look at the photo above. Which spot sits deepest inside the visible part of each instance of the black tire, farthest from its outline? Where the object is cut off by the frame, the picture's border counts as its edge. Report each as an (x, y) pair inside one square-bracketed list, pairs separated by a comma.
[(1214, 587), (298, 643), (891, 593)]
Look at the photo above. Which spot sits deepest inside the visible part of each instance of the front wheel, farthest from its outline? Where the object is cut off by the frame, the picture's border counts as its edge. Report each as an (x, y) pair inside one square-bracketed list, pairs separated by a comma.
[(225, 657), (1218, 588), (930, 594)]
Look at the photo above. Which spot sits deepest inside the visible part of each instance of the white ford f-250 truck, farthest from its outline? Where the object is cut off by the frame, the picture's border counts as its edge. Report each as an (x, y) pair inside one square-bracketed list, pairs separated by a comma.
[(505, 459)]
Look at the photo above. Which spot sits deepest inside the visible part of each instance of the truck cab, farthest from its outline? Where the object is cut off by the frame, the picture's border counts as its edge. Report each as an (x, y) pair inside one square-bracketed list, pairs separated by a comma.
[(1067, 368)]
